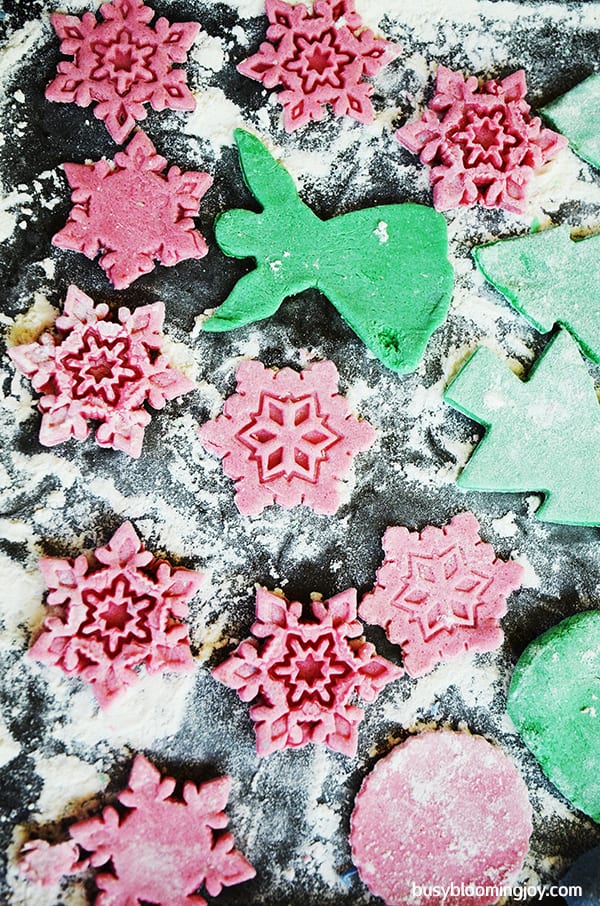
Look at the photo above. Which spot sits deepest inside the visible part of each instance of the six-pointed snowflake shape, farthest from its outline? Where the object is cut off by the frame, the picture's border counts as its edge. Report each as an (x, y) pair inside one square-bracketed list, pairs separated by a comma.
[(93, 369), (286, 438), (440, 592), (122, 63), (319, 58), (133, 212), (304, 674), (480, 142), (112, 616), (160, 851)]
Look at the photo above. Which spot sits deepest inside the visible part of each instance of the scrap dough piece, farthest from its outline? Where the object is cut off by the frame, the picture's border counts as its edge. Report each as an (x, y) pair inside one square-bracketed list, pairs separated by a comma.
[(577, 115), (442, 809), (554, 700), (385, 268), (543, 434), (551, 280)]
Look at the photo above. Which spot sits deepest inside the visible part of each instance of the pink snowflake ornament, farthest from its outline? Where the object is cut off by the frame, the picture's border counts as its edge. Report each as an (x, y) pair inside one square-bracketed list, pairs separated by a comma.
[(133, 213), (319, 57), (481, 143), (121, 63), (109, 617), (440, 592), (95, 369), (305, 674), (286, 437), (162, 850)]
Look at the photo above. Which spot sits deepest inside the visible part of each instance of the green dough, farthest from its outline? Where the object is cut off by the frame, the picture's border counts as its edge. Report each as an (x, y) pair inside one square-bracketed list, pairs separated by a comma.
[(385, 268), (554, 700), (551, 280), (577, 115), (542, 434)]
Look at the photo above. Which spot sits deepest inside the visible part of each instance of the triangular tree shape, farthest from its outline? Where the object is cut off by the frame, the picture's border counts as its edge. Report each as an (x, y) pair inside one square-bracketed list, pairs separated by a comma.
[(384, 268), (543, 434), (577, 115), (551, 280)]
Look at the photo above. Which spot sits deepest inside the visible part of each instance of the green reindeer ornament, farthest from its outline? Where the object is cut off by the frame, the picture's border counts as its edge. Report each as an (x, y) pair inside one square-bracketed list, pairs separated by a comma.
[(384, 268)]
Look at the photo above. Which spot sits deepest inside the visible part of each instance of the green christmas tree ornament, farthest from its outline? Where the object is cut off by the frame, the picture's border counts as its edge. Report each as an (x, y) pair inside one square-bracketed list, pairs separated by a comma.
[(577, 115), (551, 280), (554, 701), (542, 434), (384, 268)]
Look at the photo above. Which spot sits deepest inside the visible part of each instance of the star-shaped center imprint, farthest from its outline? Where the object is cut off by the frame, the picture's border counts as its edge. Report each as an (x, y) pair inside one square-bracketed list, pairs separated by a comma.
[(310, 670), (305, 675), (442, 592), (120, 611), (319, 62), (117, 615), (123, 63), (288, 438), (101, 367), (486, 140)]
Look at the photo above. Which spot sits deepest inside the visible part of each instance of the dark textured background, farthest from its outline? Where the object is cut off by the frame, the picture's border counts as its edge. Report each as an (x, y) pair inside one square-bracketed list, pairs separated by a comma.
[(216, 735)]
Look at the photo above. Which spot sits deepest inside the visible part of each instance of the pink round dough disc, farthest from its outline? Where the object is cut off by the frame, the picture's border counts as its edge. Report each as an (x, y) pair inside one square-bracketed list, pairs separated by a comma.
[(442, 809)]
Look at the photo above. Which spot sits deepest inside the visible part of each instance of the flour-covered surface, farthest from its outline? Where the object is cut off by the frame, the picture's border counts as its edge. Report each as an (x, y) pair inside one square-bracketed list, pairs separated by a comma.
[(62, 759)]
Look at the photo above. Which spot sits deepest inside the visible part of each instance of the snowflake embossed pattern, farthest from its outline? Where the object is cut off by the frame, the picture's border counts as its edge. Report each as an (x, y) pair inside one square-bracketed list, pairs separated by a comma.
[(133, 212), (121, 63), (93, 369), (111, 616), (286, 437), (304, 673), (480, 142), (440, 592), (159, 849), (319, 58)]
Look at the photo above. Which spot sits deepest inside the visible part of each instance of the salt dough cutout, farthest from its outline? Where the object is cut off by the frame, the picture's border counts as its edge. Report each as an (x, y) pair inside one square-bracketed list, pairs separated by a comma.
[(319, 57), (122, 611), (543, 434), (577, 115), (92, 369), (305, 674), (121, 63), (133, 212), (554, 701), (384, 268), (440, 592), (480, 142), (551, 280), (287, 437), (441, 809), (161, 850)]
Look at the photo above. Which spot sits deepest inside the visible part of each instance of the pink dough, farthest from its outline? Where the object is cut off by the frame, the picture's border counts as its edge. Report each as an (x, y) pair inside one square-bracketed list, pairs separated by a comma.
[(443, 809)]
